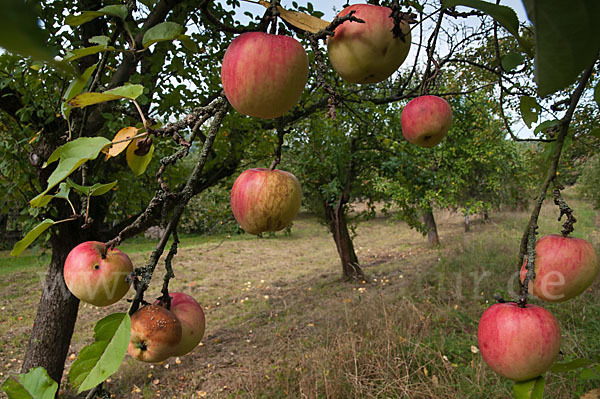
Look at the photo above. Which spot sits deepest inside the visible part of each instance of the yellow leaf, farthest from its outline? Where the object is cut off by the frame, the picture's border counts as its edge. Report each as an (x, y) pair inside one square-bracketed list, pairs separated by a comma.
[(121, 141), (298, 19), (136, 162)]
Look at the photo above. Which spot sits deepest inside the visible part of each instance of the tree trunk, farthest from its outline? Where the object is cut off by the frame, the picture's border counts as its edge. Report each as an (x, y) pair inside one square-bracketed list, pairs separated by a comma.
[(57, 310), (431, 226), (467, 223), (343, 242), (486, 216)]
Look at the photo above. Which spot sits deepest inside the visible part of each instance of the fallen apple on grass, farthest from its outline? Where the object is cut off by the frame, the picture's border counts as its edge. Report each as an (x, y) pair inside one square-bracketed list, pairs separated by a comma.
[(192, 319), (564, 268), (263, 75), (155, 334), (367, 52), (518, 343), (265, 200), (96, 275), (425, 120)]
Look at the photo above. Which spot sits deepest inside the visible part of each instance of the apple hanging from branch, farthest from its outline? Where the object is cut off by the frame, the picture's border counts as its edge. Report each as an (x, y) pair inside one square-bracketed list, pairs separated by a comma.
[(96, 275), (265, 200), (425, 120), (155, 334), (564, 268), (518, 343), (368, 52), (192, 319), (263, 75)]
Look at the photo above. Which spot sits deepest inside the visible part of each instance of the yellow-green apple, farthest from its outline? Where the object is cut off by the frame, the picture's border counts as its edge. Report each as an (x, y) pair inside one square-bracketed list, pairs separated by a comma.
[(425, 120), (265, 200), (518, 343), (564, 268), (264, 75), (155, 334), (191, 316), (367, 52), (96, 275)]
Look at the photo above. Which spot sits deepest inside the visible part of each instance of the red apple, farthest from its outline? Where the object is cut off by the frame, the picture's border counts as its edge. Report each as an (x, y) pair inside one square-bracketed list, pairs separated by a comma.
[(264, 75), (518, 343), (265, 200), (426, 120), (564, 268), (155, 334), (367, 52), (191, 316), (95, 275)]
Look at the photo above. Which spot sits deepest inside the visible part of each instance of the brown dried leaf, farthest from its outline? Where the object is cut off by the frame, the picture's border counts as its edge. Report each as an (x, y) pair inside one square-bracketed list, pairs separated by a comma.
[(298, 19), (121, 141), (594, 394)]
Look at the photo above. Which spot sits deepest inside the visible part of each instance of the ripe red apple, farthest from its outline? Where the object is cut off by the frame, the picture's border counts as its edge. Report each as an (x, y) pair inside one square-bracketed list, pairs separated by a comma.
[(367, 52), (564, 268), (191, 316), (155, 334), (265, 200), (264, 75), (518, 343), (426, 120), (95, 275)]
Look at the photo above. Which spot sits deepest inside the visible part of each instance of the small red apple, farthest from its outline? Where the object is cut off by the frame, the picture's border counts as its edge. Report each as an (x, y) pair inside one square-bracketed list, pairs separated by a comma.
[(95, 275), (264, 75), (426, 120), (155, 334), (265, 200), (367, 52), (193, 323), (564, 268), (518, 343)]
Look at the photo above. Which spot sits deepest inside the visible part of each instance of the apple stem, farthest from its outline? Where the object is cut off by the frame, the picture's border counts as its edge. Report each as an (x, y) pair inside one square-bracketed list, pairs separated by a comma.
[(398, 17), (564, 210), (169, 274), (529, 267)]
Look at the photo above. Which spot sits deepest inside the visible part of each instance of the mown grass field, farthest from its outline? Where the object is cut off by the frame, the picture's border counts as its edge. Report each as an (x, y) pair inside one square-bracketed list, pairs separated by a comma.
[(281, 323)]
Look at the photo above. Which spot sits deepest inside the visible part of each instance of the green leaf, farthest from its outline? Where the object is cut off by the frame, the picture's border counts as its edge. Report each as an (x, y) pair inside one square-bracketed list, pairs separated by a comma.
[(102, 40), (512, 60), (161, 32), (98, 361), (138, 164), (564, 45), (128, 91), (82, 52), (542, 127), (36, 384), (74, 89), (596, 132), (20, 32), (71, 156), (532, 389), (530, 110), (95, 190), (572, 365), (30, 237), (63, 191), (590, 374), (188, 43), (119, 11)]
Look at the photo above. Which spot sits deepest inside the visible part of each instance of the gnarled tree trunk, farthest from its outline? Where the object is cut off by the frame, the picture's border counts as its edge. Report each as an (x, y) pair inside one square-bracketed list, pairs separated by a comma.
[(431, 226), (467, 223), (339, 228)]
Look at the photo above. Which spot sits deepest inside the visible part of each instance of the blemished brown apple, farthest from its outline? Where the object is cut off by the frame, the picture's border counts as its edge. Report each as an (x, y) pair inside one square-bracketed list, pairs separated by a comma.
[(367, 52), (95, 275), (155, 334), (564, 268), (426, 120), (518, 343), (265, 200), (264, 75), (192, 319)]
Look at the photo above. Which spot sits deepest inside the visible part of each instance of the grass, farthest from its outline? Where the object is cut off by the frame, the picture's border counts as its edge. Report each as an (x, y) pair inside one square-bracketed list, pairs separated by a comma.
[(281, 323)]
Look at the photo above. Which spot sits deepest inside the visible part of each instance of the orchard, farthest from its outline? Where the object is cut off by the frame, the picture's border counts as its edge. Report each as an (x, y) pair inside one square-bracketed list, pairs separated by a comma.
[(264, 121)]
